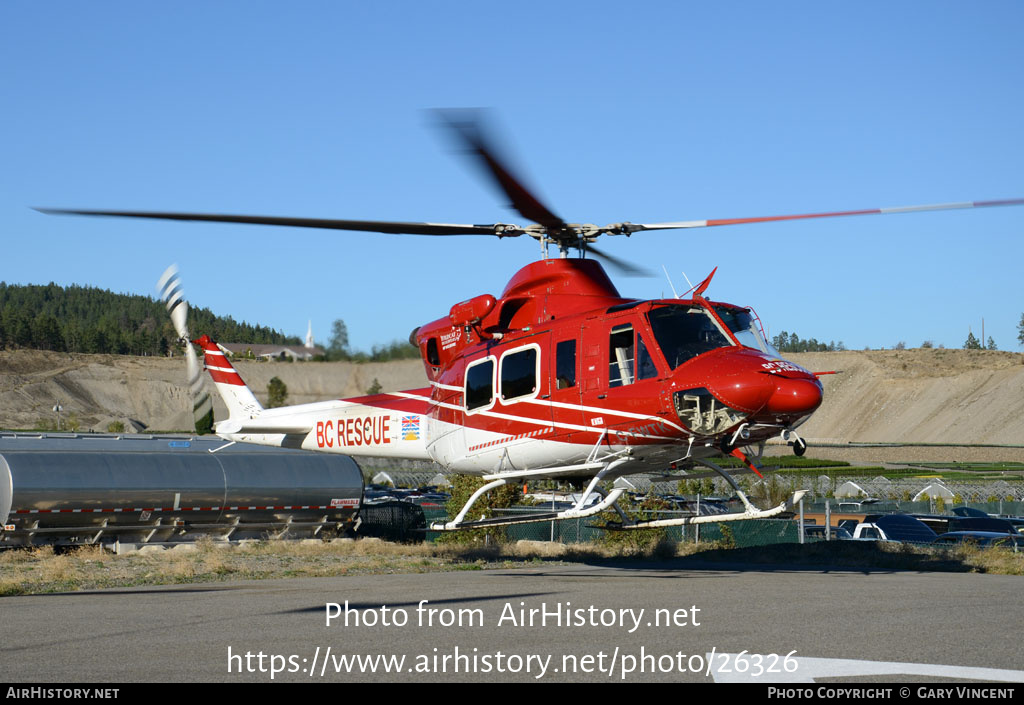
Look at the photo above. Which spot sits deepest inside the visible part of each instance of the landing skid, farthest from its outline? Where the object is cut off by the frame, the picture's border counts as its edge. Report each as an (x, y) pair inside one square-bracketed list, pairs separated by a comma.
[(609, 500), (751, 513)]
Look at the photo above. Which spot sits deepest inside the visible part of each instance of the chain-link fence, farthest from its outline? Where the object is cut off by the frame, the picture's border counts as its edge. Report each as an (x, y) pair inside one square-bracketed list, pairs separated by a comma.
[(896, 496), (756, 532), (926, 506), (741, 534)]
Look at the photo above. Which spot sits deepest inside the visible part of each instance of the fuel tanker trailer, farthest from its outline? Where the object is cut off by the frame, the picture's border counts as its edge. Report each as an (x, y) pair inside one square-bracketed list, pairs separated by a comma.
[(84, 489)]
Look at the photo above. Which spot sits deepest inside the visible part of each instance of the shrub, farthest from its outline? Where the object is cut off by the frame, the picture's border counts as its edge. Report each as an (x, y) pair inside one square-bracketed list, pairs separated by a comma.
[(463, 487)]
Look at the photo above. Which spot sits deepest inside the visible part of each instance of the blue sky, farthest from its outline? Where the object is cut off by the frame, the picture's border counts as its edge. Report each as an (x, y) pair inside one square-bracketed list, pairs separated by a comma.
[(651, 112)]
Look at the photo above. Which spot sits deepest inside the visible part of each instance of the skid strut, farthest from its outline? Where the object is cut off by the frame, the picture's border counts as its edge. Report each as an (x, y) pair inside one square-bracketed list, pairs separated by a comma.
[(751, 513), (577, 511)]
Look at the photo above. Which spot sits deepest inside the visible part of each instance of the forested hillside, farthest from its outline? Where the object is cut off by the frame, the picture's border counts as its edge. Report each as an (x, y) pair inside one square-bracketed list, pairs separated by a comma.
[(89, 320)]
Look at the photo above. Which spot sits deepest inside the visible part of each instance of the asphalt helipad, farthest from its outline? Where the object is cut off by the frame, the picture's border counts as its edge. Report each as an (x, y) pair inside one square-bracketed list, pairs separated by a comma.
[(629, 622)]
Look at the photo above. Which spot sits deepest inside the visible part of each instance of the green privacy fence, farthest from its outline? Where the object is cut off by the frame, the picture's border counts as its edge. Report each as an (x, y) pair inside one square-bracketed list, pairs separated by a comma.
[(754, 532)]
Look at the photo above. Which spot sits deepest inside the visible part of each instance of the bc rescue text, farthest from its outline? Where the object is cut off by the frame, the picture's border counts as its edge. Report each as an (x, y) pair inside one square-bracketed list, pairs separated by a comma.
[(360, 431)]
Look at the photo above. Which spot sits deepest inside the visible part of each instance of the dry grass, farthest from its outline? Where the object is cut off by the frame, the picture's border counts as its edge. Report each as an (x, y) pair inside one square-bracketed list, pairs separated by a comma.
[(41, 570), (988, 560), (870, 555), (88, 568)]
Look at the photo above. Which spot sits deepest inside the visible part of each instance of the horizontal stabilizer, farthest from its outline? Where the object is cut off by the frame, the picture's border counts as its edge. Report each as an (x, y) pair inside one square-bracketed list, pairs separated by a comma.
[(261, 426)]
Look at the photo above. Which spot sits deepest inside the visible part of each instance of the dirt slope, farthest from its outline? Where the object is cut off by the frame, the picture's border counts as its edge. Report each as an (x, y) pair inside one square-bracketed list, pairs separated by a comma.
[(924, 396), (149, 393), (931, 396)]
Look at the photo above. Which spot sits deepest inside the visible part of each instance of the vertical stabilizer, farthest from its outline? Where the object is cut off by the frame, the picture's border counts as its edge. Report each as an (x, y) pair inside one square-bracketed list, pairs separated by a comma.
[(241, 402)]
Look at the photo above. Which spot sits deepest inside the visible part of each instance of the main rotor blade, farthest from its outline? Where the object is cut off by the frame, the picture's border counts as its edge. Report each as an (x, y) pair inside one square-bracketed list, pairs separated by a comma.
[(468, 127), (622, 266), (378, 226), (636, 227)]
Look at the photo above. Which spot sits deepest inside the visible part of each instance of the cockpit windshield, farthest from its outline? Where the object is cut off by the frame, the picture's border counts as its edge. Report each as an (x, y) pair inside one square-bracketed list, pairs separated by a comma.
[(742, 325), (685, 331)]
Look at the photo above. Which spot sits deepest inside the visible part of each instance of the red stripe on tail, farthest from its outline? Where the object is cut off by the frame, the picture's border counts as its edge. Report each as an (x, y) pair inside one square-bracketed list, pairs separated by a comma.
[(226, 377), (221, 371)]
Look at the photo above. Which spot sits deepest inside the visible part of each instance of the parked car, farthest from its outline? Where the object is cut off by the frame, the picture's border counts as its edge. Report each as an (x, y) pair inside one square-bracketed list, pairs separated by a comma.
[(894, 527), (969, 512), (983, 524), (839, 533), (981, 538), (857, 505)]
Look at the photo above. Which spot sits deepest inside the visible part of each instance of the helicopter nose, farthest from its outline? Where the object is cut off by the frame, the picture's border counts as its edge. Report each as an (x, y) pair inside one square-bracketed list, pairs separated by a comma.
[(748, 392), (794, 396), (737, 379)]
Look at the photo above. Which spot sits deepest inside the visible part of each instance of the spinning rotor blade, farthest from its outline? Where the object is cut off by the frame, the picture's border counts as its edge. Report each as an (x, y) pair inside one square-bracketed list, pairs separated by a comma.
[(377, 226), (467, 126), (173, 296), (622, 266), (171, 293), (637, 227)]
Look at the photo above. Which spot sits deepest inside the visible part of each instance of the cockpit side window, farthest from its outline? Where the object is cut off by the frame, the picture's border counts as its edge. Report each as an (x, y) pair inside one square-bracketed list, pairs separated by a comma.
[(645, 367), (684, 332), (741, 323)]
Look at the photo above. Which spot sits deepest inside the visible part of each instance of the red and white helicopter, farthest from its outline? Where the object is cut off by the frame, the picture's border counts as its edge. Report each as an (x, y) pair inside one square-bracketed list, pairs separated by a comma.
[(559, 376)]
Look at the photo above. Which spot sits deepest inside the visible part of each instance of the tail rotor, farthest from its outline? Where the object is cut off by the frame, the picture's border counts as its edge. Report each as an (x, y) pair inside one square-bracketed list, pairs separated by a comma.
[(173, 296)]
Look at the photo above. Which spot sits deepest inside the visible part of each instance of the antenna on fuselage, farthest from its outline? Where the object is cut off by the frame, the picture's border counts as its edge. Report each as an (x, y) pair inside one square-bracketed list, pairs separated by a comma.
[(689, 283), (675, 294)]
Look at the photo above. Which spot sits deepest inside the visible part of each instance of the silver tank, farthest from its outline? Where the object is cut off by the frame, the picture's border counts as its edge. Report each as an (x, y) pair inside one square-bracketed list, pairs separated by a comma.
[(67, 488)]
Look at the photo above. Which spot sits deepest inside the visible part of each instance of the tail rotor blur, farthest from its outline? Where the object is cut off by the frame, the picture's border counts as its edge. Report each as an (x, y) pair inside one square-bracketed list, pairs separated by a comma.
[(173, 296)]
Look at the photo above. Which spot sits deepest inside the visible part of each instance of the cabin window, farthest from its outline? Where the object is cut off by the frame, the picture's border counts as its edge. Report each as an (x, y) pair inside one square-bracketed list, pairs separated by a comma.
[(620, 356), (480, 384), (432, 355), (565, 364), (519, 373)]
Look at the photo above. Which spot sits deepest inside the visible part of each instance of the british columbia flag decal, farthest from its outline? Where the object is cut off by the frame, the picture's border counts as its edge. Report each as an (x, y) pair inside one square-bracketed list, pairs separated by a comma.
[(410, 428)]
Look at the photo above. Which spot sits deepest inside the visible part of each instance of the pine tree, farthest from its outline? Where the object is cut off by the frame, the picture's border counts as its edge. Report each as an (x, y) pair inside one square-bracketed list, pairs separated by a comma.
[(86, 319), (277, 393), (338, 349)]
